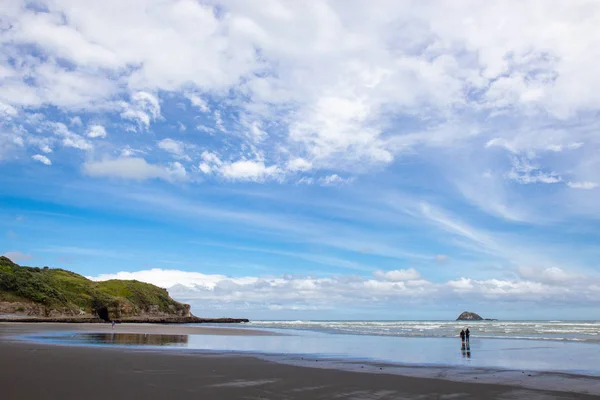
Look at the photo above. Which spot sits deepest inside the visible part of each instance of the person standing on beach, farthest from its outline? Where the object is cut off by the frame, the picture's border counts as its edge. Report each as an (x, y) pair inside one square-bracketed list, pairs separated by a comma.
[(462, 336), (467, 335), (113, 324)]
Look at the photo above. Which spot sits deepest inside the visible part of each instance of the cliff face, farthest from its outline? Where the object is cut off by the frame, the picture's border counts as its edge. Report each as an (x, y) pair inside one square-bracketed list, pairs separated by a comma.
[(56, 293), (469, 316)]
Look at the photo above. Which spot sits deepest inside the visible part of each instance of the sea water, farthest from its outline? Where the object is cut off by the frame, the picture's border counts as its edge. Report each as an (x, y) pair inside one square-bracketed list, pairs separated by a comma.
[(576, 331), (568, 347)]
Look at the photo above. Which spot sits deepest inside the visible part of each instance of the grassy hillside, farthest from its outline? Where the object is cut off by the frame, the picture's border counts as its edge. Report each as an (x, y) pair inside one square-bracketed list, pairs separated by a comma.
[(72, 294)]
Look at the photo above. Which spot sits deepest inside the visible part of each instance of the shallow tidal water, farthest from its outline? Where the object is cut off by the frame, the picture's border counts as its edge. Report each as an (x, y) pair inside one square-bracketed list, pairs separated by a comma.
[(490, 353)]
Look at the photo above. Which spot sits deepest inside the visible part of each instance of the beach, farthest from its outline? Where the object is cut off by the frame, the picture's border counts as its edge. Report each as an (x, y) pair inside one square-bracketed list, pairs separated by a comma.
[(35, 370)]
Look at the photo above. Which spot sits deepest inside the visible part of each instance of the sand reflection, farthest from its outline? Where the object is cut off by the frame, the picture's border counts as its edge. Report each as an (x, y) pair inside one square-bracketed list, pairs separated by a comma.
[(133, 339)]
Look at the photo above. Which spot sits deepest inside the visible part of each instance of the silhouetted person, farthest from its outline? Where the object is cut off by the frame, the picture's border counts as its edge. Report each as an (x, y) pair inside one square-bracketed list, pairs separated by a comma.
[(462, 337), (467, 335)]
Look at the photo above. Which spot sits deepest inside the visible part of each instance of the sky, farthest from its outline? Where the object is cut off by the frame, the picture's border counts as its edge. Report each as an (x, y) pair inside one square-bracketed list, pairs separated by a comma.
[(309, 160)]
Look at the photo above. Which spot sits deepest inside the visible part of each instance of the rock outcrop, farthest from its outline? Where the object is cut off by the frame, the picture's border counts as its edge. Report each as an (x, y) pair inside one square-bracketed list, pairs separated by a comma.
[(469, 316)]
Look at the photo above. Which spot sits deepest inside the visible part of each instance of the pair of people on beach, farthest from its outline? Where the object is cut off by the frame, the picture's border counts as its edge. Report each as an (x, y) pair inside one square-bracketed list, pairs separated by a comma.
[(465, 335)]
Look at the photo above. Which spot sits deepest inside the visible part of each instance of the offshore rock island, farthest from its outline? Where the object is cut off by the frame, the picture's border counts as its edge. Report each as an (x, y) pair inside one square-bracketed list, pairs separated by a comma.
[(471, 316), (31, 294)]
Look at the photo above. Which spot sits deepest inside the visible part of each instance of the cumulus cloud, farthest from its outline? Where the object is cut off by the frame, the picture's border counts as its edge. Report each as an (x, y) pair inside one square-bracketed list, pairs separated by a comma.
[(172, 146), (210, 162), (177, 171), (43, 159), (551, 275), (241, 170), (7, 110), (299, 165), (143, 108), (297, 292), (351, 95), (252, 170), (69, 138), (198, 102), (134, 168), (398, 275), (96, 131), (76, 121)]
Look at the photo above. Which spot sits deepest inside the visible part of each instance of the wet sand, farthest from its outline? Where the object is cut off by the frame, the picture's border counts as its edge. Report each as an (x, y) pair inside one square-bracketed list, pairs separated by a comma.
[(39, 371), (21, 328)]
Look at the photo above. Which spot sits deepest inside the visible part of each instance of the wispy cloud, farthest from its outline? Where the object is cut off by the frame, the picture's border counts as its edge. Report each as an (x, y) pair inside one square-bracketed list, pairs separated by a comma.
[(583, 185), (395, 141)]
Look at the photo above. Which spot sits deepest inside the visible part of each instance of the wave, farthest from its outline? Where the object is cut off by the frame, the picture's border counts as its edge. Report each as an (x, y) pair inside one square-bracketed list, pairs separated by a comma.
[(578, 331)]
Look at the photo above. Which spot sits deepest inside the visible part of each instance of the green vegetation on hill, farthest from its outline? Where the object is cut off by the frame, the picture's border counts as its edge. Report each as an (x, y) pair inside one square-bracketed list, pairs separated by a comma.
[(71, 294)]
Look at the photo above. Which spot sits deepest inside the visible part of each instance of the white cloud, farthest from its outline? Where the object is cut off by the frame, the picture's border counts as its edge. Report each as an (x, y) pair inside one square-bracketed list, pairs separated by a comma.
[(177, 171), (127, 151), (7, 110), (96, 131), (583, 185), (334, 180), (305, 181), (398, 275), (210, 162), (206, 129), (299, 165), (143, 108), (198, 102), (43, 159), (457, 227), (364, 88), (45, 148), (133, 168), (305, 292), (172, 146), (523, 171), (551, 275), (249, 170), (331, 96), (211, 158), (76, 121), (219, 121), (253, 130), (205, 168), (69, 139), (241, 170)]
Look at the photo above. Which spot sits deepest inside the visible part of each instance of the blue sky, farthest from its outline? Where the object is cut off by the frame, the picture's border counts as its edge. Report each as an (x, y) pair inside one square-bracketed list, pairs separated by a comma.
[(334, 160)]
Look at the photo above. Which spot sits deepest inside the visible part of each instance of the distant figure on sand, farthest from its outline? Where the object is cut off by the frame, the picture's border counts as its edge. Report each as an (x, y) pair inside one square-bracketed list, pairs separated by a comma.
[(113, 324), (467, 335), (462, 336)]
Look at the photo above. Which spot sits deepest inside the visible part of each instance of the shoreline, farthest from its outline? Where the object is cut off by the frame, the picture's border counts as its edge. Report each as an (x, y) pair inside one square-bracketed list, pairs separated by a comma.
[(483, 382), (17, 328)]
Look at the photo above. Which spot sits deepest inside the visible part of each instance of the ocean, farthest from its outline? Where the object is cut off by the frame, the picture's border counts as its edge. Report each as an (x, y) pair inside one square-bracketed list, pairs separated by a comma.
[(576, 331), (571, 347)]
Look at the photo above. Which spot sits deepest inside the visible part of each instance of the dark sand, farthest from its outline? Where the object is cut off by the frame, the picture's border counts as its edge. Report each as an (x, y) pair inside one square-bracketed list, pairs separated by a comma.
[(38, 371)]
